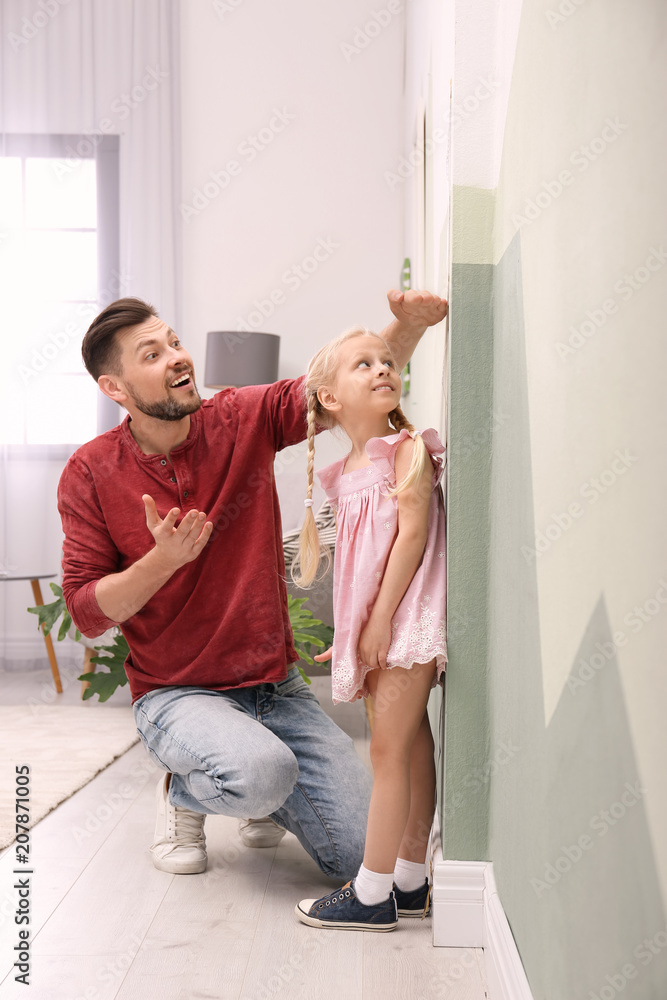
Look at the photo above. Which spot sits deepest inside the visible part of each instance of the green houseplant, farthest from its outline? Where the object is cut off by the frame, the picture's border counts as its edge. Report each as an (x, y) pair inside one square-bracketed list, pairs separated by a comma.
[(309, 634)]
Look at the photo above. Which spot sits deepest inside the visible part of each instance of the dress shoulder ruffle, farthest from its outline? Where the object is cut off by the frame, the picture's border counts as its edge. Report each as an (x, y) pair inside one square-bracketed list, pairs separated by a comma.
[(329, 477), (382, 453)]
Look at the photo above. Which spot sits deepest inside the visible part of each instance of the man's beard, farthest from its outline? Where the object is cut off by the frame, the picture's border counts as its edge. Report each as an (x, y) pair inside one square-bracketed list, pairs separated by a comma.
[(166, 409)]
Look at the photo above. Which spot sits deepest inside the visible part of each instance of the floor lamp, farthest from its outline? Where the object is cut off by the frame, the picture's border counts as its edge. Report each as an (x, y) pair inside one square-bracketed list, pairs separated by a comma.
[(236, 358)]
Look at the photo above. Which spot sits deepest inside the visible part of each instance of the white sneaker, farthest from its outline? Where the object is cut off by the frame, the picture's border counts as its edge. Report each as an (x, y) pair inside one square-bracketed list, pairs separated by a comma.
[(180, 843), (260, 832)]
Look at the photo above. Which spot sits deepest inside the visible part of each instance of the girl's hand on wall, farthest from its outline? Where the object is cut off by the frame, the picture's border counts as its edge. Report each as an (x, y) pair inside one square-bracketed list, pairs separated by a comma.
[(374, 643), (417, 309)]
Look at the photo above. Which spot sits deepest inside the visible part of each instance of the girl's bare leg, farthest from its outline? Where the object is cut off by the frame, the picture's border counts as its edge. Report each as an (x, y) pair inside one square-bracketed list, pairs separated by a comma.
[(400, 698), (422, 796)]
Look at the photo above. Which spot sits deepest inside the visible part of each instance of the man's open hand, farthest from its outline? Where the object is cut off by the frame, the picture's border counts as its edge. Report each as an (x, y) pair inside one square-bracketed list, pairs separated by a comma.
[(177, 546), (417, 310)]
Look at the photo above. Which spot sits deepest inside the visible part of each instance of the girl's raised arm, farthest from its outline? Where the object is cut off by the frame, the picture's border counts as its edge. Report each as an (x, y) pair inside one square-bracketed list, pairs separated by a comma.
[(415, 311)]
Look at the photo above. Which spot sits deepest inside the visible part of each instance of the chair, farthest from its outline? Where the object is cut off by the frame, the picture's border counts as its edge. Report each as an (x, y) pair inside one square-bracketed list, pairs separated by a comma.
[(37, 595)]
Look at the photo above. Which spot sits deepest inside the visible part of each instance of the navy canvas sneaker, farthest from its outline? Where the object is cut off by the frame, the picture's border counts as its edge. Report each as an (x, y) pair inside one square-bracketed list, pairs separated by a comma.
[(343, 910), (416, 903)]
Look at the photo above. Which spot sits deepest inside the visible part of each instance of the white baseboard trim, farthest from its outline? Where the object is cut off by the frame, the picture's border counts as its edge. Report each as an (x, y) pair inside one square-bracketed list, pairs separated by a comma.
[(458, 904), (467, 913), (24, 655), (505, 973), (19, 647)]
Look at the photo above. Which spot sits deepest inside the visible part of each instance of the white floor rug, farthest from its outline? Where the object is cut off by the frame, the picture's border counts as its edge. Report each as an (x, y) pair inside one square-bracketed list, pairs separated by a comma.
[(64, 747)]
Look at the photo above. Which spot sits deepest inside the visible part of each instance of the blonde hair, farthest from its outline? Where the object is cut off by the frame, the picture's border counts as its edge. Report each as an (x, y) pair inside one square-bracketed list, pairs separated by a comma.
[(321, 371)]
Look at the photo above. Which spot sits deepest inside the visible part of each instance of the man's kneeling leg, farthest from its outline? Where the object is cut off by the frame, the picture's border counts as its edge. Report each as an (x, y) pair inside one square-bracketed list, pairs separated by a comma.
[(222, 761)]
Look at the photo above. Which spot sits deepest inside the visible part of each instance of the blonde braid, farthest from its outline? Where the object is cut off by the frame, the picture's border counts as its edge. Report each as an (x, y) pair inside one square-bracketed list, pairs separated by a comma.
[(400, 421), (310, 460), (309, 540), (321, 372), (420, 455)]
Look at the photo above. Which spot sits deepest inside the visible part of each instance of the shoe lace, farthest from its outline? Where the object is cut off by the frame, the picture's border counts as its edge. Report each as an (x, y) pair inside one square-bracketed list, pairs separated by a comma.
[(188, 825)]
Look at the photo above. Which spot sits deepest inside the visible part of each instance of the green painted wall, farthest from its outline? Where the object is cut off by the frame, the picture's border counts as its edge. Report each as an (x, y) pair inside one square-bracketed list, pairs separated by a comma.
[(554, 718), (464, 798), (578, 882), (469, 753)]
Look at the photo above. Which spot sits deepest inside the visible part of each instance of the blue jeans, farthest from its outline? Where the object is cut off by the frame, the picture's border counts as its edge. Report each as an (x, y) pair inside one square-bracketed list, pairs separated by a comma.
[(265, 750)]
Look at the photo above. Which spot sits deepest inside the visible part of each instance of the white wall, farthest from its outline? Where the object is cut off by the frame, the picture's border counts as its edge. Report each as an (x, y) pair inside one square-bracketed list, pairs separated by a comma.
[(318, 179), (423, 175), (34, 542)]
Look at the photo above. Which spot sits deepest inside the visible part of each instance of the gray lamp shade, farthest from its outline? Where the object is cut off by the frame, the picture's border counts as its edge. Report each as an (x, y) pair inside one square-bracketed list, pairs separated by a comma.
[(240, 358)]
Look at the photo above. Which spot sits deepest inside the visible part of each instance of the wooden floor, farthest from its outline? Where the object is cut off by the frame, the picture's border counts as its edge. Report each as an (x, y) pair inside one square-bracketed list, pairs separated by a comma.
[(106, 924)]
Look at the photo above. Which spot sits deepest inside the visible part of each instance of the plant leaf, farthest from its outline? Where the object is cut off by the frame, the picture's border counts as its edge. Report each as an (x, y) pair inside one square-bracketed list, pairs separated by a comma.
[(48, 614), (104, 682), (309, 633), (305, 637), (65, 626)]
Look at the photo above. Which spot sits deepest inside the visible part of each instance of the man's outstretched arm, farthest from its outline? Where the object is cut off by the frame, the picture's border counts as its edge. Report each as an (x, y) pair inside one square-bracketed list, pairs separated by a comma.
[(414, 312)]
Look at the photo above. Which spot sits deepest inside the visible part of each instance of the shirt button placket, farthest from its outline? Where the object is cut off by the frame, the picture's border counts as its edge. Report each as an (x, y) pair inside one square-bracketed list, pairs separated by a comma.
[(164, 464), (185, 489)]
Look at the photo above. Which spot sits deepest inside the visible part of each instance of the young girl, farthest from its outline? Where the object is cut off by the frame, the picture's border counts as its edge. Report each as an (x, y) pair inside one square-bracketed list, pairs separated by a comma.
[(389, 611)]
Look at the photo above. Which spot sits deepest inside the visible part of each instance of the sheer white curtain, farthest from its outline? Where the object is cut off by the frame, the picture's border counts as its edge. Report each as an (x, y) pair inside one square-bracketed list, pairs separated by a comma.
[(83, 70)]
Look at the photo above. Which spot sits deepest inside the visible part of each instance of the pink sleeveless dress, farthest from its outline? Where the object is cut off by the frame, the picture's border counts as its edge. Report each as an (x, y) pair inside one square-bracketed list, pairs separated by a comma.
[(367, 522)]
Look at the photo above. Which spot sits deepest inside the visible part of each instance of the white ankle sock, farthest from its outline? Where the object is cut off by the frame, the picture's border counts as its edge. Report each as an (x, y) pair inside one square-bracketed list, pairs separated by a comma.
[(409, 875), (372, 887)]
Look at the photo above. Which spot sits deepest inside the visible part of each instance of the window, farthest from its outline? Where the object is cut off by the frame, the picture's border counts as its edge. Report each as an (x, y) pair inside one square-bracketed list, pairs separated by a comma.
[(57, 226)]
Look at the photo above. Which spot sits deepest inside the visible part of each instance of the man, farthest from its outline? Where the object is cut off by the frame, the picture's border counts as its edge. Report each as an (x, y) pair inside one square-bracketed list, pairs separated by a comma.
[(172, 530)]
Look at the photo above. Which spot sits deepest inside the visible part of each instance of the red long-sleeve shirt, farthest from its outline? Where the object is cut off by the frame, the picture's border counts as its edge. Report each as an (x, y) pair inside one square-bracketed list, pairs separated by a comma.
[(220, 621)]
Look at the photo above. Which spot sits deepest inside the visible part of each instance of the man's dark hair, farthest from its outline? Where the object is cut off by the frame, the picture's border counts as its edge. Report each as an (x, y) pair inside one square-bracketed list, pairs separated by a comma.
[(100, 347)]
